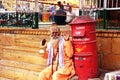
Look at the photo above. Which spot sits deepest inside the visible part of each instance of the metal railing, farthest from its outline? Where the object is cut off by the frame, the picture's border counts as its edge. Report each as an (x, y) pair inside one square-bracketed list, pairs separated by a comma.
[(108, 14), (15, 19), (105, 12)]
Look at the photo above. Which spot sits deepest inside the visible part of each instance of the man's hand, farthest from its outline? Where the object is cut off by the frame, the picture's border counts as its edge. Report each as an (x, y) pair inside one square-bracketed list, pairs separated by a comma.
[(43, 42), (66, 35)]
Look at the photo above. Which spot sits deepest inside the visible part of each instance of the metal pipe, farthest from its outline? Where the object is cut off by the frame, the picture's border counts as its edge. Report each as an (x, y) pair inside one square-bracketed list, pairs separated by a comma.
[(105, 4)]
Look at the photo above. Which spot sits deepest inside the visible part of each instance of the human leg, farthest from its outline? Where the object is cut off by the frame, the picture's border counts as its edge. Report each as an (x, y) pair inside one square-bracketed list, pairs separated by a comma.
[(59, 76), (46, 74)]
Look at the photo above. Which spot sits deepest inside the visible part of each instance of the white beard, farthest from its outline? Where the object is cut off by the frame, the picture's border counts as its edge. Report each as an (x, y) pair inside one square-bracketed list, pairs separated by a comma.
[(54, 41)]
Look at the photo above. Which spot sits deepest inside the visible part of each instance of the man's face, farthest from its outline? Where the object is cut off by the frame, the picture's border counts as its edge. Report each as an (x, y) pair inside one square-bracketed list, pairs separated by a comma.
[(55, 34)]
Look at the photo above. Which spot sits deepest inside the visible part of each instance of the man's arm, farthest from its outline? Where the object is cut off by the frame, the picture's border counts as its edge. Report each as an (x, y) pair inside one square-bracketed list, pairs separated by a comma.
[(68, 48), (43, 47), (68, 45)]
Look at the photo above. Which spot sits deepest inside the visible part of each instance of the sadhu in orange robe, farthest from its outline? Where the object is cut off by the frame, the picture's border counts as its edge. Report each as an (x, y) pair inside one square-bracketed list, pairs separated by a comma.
[(58, 70)]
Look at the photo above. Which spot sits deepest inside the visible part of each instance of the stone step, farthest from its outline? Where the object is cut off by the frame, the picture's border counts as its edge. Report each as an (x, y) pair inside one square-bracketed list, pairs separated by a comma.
[(2, 78), (33, 38), (23, 50), (26, 43), (17, 74), (24, 57), (30, 40), (22, 65)]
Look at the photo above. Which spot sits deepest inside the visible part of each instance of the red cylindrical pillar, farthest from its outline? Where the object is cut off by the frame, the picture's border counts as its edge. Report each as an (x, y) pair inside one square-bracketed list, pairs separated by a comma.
[(84, 43)]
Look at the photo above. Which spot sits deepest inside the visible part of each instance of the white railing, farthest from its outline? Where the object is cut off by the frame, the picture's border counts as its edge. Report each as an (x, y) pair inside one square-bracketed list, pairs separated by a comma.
[(109, 4), (7, 11), (99, 4)]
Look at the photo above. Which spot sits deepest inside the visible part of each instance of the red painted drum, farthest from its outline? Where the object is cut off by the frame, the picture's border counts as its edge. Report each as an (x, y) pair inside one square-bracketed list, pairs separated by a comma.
[(85, 49)]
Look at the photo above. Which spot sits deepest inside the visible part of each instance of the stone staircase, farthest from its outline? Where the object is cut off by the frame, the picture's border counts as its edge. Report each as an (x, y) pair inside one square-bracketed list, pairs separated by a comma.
[(19, 54), (22, 60)]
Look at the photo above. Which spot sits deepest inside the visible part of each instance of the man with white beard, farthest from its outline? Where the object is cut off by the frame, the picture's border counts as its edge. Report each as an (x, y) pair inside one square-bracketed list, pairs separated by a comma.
[(60, 57)]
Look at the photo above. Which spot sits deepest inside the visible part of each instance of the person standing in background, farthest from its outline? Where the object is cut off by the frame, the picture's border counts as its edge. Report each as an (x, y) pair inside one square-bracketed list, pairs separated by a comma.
[(1, 5), (18, 8), (41, 8), (59, 3), (53, 9), (64, 4), (70, 15), (2, 8), (60, 15)]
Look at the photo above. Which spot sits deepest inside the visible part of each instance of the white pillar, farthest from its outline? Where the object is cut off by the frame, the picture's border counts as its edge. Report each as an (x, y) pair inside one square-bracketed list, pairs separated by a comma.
[(105, 4)]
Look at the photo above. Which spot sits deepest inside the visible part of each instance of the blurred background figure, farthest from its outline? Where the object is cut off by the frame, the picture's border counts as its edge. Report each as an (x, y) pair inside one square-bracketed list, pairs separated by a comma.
[(53, 9), (1, 6), (18, 8), (64, 3), (67, 6), (60, 15), (41, 8), (59, 3), (70, 15)]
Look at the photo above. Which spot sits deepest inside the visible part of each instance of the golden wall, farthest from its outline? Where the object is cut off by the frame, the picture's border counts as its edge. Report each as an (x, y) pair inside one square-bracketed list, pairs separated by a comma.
[(19, 52), (108, 45)]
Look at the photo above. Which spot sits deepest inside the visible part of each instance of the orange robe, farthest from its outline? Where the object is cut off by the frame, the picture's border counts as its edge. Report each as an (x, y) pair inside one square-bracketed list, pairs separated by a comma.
[(55, 72)]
